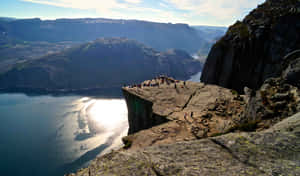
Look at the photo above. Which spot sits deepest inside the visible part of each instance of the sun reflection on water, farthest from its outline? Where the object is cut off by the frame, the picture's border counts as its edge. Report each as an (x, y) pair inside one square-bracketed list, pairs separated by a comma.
[(108, 114)]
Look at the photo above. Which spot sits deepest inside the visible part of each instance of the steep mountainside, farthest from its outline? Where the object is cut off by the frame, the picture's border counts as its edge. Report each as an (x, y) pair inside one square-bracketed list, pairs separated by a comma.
[(253, 49), (100, 64), (12, 52), (160, 36)]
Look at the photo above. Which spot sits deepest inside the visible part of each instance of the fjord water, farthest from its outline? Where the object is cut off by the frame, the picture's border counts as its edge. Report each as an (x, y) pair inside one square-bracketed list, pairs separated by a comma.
[(195, 77), (46, 135)]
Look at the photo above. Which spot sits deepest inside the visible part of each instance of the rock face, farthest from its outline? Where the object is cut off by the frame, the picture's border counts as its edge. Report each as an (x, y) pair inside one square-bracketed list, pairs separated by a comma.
[(164, 110), (194, 137), (140, 114), (274, 101), (253, 50), (87, 67), (197, 136), (277, 98), (271, 152)]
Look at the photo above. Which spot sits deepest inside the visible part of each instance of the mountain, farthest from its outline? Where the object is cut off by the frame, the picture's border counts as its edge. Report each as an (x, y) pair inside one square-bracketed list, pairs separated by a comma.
[(7, 19), (13, 52), (160, 36), (103, 63), (211, 33), (253, 49)]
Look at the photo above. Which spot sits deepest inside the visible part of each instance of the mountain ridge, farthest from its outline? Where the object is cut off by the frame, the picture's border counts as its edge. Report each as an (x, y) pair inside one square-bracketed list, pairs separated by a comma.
[(160, 36), (104, 63)]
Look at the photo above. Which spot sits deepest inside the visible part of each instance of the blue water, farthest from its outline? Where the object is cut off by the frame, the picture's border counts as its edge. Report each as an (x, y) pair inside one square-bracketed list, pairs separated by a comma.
[(196, 77), (45, 135)]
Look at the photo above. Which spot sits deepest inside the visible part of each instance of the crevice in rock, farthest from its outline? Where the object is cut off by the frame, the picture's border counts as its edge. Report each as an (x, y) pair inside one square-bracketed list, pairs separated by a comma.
[(186, 104), (152, 165), (190, 98), (156, 171), (225, 148)]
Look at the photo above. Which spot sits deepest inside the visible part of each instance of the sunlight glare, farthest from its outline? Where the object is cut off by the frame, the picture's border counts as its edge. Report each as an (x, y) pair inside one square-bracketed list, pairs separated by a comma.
[(109, 114)]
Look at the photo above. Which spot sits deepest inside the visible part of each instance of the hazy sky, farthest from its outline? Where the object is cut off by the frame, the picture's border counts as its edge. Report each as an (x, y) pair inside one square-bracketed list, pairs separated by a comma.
[(193, 12)]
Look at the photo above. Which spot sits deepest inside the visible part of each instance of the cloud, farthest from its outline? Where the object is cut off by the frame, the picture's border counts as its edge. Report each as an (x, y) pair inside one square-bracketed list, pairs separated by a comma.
[(220, 9), (211, 12), (133, 1), (83, 4)]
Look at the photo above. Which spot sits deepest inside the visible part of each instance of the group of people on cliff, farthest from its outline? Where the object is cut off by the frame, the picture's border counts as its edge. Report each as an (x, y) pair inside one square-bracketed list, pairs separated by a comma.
[(160, 80)]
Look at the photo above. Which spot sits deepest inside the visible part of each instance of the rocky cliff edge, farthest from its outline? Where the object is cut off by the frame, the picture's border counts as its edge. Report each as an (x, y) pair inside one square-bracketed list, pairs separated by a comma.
[(253, 50)]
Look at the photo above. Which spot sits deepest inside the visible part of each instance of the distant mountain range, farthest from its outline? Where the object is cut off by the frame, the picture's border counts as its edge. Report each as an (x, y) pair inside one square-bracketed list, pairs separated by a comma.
[(102, 63), (160, 36), (211, 33), (7, 19)]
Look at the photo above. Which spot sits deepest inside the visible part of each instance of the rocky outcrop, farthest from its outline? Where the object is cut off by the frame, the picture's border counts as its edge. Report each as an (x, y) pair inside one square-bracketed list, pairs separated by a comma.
[(271, 152), (277, 98), (185, 128), (164, 110), (253, 50), (195, 137)]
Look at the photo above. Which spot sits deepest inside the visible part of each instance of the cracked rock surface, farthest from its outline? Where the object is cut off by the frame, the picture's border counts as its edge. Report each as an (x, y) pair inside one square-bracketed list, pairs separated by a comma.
[(192, 111), (275, 151)]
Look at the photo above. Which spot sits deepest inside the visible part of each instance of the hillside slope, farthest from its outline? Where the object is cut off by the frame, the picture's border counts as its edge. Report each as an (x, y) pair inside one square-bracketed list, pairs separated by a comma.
[(103, 63)]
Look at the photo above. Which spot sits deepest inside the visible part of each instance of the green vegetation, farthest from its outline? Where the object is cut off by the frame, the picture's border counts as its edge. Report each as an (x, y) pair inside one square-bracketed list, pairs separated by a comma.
[(247, 126), (239, 28), (216, 134), (234, 92), (127, 142), (6, 46), (20, 66)]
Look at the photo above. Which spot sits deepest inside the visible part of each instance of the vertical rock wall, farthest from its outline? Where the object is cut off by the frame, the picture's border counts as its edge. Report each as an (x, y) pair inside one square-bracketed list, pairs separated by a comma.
[(252, 50), (140, 113)]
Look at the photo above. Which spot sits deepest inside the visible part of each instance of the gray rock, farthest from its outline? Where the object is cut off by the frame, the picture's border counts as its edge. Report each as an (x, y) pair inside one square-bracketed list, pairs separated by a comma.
[(292, 73), (253, 50), (272, 152)]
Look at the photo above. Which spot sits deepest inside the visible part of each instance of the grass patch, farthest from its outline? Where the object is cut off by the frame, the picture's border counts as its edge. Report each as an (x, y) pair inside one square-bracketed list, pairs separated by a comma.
[(234, 92), (217, 134), (127, 142), (240, 29), (248, 127)]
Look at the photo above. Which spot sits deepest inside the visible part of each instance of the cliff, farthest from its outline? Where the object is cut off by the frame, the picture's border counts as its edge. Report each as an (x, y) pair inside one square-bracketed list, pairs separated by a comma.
[(187, 128), (253, 49), (172, 110), (212, 130)]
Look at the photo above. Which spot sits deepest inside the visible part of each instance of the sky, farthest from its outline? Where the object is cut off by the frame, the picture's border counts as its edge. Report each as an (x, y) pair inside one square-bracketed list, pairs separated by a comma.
[(192, 12)]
